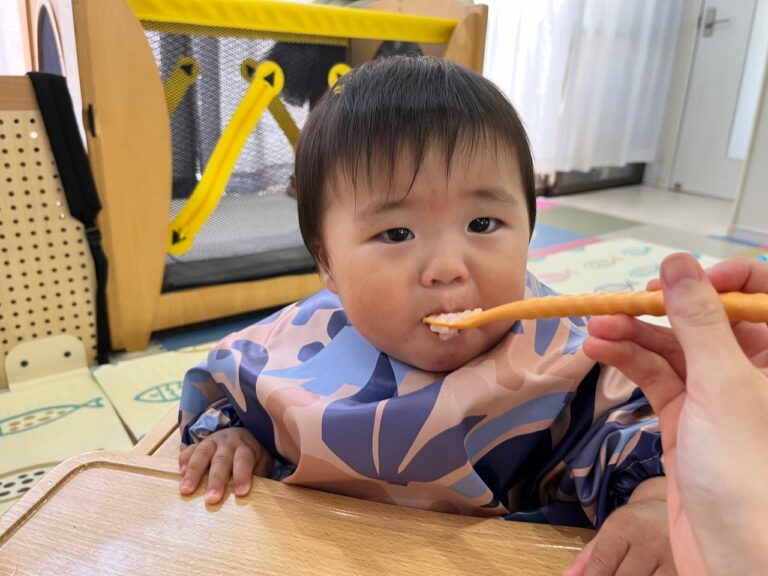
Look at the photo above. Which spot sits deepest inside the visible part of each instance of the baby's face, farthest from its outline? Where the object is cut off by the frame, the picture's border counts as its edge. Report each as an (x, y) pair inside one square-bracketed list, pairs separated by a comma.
[(455, 242)]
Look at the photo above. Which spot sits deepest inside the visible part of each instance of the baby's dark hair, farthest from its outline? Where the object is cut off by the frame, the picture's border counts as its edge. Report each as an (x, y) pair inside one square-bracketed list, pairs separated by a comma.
[(394, 106)]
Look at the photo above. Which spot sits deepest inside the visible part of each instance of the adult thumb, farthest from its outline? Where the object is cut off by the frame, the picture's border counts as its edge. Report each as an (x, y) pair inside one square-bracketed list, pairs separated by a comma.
[(697, 315)]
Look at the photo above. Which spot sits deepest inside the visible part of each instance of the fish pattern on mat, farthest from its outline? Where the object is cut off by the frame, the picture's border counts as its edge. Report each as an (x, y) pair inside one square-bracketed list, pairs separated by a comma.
[(165, 392), (43, 416)]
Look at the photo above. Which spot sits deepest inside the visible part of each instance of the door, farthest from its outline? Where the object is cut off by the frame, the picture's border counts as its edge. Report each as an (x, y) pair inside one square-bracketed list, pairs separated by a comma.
[(705, 159)]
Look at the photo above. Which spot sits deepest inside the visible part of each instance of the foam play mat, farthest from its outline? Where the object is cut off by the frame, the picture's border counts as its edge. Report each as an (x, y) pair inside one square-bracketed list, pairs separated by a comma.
[(144, 389), (52, 410), (550, 239), (610, 266)]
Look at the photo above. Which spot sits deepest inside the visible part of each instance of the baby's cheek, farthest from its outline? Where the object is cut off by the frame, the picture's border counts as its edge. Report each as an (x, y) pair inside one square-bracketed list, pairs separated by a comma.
[(367, 298), (379, 291), (370, 310), (504, 288)]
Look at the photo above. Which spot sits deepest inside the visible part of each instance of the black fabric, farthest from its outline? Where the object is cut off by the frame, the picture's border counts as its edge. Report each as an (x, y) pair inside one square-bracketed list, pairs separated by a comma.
[(77, 181)]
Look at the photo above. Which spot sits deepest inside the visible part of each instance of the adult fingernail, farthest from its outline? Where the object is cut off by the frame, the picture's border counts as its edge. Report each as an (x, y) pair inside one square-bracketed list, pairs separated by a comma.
[(212, 494), (186, 486), (679, 267)]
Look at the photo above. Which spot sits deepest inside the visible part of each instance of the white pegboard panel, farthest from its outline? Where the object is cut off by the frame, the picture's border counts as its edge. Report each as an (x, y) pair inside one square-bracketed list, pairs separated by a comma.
[(47, 278)]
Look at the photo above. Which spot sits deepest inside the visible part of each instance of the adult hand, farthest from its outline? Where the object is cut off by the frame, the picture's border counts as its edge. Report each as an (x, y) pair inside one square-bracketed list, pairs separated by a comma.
[(708, 382), (231, 451)]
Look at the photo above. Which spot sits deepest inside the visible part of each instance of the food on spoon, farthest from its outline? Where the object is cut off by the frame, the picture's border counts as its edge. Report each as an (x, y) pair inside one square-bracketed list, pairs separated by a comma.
[(444, 332)]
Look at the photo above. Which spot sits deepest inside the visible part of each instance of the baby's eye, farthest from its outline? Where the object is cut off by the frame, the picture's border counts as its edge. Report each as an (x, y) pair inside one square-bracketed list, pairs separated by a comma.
[(483, 225), (396, 235)]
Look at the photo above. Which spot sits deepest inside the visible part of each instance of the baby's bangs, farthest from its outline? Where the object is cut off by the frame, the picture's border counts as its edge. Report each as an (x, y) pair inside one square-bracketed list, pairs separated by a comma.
[(380, 161)]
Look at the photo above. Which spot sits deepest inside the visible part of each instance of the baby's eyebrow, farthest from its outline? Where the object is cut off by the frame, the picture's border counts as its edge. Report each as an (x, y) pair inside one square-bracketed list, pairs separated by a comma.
[(377, 208), (495, 194), (491, 193)]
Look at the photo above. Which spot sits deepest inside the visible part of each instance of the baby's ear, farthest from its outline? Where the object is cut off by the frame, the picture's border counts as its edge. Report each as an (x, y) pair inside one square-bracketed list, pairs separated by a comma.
[(328, 280), (323, 263)]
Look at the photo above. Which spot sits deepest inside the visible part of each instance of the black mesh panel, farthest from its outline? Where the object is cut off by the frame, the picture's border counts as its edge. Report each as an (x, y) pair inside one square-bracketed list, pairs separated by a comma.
[(253, 233)]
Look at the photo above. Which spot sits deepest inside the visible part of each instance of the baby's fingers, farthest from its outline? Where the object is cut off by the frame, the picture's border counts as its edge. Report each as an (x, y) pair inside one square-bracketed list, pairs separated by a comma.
[(263, 459), (184, 457), (242, 469), (221, 470), (197, 464), (263, 464)]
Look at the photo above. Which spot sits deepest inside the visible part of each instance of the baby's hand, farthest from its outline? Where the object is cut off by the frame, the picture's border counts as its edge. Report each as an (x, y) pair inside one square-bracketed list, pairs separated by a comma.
[(231, 451), (634, 540)]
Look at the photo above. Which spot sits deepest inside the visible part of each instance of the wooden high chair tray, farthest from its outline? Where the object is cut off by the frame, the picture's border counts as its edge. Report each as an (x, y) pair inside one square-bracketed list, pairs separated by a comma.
[(121, 513)]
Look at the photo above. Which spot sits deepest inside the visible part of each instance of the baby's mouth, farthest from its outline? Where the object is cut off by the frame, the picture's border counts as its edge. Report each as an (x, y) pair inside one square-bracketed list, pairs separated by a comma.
[(445, 333)]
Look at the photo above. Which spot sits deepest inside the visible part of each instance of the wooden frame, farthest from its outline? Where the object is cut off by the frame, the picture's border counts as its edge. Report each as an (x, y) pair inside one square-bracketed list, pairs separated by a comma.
[(466, 46), (128, 137)]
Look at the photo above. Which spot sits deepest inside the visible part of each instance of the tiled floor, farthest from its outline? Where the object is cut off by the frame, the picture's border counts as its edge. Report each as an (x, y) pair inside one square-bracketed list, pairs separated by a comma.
[(580, 220), (652, 206), (675, 219)]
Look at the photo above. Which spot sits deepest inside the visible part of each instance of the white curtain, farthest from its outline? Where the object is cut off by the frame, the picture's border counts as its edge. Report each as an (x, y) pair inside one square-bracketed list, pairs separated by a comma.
[(11, 51), (588, 77)]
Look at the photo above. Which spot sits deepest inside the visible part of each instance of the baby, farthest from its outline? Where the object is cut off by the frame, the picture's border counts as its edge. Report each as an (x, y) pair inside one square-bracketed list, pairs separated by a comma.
[(416, 197)]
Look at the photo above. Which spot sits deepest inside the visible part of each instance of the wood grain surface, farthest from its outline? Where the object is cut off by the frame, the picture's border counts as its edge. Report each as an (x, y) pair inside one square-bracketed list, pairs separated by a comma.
[(121, 513)]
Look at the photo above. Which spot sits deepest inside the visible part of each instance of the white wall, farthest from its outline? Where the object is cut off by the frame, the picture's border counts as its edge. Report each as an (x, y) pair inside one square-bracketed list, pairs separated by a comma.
[(750, 217), (751, 80)]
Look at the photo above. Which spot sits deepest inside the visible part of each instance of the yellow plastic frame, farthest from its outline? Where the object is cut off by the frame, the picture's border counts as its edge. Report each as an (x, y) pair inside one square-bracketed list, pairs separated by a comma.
[(291, 18)]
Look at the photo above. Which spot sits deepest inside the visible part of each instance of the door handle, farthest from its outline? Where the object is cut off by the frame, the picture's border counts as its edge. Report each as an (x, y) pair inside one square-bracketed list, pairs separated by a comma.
[(710, 21)]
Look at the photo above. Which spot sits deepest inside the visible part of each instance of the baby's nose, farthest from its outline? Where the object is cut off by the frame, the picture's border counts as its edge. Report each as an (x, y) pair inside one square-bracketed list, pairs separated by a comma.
[(446, 267)]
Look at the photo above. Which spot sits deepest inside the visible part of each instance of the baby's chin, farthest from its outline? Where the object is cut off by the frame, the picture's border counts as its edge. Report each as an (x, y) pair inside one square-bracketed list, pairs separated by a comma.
[(442, 358), (441, 366), (431, 353)]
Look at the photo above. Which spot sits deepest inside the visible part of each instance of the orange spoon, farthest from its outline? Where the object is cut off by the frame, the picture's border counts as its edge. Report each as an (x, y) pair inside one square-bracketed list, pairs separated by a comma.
[(738, 306)]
